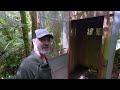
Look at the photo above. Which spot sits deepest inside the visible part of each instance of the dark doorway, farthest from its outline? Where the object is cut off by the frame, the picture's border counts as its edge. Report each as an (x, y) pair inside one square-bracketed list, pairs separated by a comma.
[(86, 42)]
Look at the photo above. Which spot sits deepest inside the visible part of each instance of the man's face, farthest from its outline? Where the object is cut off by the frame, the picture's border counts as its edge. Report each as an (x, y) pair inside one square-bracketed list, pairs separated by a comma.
[(43, 44)]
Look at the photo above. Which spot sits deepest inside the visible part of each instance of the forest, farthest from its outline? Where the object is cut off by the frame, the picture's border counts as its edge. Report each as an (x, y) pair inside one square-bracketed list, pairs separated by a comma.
[(16, 32)]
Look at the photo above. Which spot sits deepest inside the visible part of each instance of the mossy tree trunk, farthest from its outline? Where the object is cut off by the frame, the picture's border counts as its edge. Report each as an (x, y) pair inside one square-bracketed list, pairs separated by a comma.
[(33, 15), (25, 32)]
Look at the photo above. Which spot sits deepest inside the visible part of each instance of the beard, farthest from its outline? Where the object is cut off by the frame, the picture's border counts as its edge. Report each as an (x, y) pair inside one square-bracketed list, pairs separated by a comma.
[(43, 50)]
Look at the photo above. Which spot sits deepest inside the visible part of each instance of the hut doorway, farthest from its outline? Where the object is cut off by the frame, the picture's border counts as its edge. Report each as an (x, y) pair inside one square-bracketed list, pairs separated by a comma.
[(85, 43)]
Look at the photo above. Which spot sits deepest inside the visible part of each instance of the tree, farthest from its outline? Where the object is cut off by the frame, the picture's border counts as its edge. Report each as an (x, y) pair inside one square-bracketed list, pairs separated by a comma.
[(15, 26), (25, 32), (33, 15), (11, 43), (40, 19)]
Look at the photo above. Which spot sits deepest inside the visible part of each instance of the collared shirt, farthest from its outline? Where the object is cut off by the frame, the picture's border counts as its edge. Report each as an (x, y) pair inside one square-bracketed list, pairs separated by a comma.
[(33, 68)]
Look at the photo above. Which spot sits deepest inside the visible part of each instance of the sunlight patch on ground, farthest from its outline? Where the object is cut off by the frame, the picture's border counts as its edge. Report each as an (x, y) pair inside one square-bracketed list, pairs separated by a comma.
[(118, 44)]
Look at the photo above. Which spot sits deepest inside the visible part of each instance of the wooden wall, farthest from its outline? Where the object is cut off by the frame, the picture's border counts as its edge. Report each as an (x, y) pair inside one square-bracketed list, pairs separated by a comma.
[(106, 37)]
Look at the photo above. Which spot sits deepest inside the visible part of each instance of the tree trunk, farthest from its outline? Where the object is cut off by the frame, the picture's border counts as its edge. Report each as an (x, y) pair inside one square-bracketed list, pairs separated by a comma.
[(65, 33), (33, 15), (25, 32), (40, 19)]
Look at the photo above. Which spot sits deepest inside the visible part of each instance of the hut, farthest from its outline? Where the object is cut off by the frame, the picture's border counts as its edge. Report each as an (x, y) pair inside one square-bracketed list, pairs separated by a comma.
[(91, 39)]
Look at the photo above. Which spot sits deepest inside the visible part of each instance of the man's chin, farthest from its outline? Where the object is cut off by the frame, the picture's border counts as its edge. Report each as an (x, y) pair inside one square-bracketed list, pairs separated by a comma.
[(44, 52), (46, 49)]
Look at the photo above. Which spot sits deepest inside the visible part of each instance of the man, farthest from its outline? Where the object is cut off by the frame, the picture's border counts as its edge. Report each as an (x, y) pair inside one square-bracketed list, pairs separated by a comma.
[(35, 66)]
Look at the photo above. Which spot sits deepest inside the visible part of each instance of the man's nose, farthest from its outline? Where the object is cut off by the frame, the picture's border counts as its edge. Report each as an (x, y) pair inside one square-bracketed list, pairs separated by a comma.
[(46, 42)]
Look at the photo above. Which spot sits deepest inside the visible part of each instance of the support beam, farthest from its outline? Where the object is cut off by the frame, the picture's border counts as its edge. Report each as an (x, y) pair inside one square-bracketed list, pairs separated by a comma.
[(113, 44)]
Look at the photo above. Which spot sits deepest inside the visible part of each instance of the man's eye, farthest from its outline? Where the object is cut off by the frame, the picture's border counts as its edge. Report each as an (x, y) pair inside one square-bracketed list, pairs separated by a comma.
[(45, 39), (41, 39), (48, 40)]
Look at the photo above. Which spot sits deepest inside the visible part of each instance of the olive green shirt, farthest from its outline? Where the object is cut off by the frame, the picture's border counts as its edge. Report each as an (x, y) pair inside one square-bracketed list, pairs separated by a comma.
[(33, 68)]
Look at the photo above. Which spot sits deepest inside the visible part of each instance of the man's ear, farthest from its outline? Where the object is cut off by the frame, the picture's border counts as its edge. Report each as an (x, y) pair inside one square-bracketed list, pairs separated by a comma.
[(33, 40)]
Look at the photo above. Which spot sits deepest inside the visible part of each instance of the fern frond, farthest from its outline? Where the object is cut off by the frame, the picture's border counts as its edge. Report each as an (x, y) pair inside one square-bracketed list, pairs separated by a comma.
[(10, 20), (7, 54)]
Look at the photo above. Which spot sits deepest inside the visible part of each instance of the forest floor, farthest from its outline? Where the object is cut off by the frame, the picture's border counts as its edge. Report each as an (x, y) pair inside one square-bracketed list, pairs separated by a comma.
[(86, 73), (116, 71), (83, 73)]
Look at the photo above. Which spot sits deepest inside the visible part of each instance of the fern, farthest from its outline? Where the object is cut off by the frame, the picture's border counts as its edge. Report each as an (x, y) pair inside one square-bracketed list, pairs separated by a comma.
[(7, 54), (10, 20)]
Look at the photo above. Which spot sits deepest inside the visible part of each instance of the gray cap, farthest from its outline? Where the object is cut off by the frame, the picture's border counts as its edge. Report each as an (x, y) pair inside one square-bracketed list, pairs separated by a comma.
[(42, 32)]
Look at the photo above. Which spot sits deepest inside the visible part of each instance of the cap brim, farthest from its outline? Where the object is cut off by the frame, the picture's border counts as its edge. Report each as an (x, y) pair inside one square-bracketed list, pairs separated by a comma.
[(43, 35)]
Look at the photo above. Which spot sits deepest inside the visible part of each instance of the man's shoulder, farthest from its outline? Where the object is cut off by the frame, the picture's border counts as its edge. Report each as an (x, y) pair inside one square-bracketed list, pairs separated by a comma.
[(26, 62), (30, 61)]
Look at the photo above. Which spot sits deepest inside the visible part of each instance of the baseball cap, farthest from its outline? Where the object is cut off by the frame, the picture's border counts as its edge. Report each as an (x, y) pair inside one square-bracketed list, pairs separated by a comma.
[(39, 33)]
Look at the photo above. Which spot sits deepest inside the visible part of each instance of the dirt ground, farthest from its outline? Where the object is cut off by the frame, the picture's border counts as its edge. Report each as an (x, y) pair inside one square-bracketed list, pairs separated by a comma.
[(116, 71), (86, 73), (83, 73)]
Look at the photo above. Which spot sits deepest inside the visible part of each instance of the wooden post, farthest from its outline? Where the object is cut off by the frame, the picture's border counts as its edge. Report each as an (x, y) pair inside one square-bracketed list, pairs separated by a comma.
[(104, 53), (113, 44)]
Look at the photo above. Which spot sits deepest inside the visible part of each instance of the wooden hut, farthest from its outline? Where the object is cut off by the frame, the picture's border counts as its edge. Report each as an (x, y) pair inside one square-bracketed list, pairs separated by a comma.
[(89, 42), (90, 33)]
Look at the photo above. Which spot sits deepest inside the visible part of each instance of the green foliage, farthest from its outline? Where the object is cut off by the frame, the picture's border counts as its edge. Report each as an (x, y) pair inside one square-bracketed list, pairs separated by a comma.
[(11, 45), (117, 56), (10, 59), (3, 42), (12, 49)]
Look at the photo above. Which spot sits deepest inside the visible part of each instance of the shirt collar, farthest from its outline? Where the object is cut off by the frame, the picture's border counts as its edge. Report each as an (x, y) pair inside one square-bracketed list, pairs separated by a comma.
[(37, 58)]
